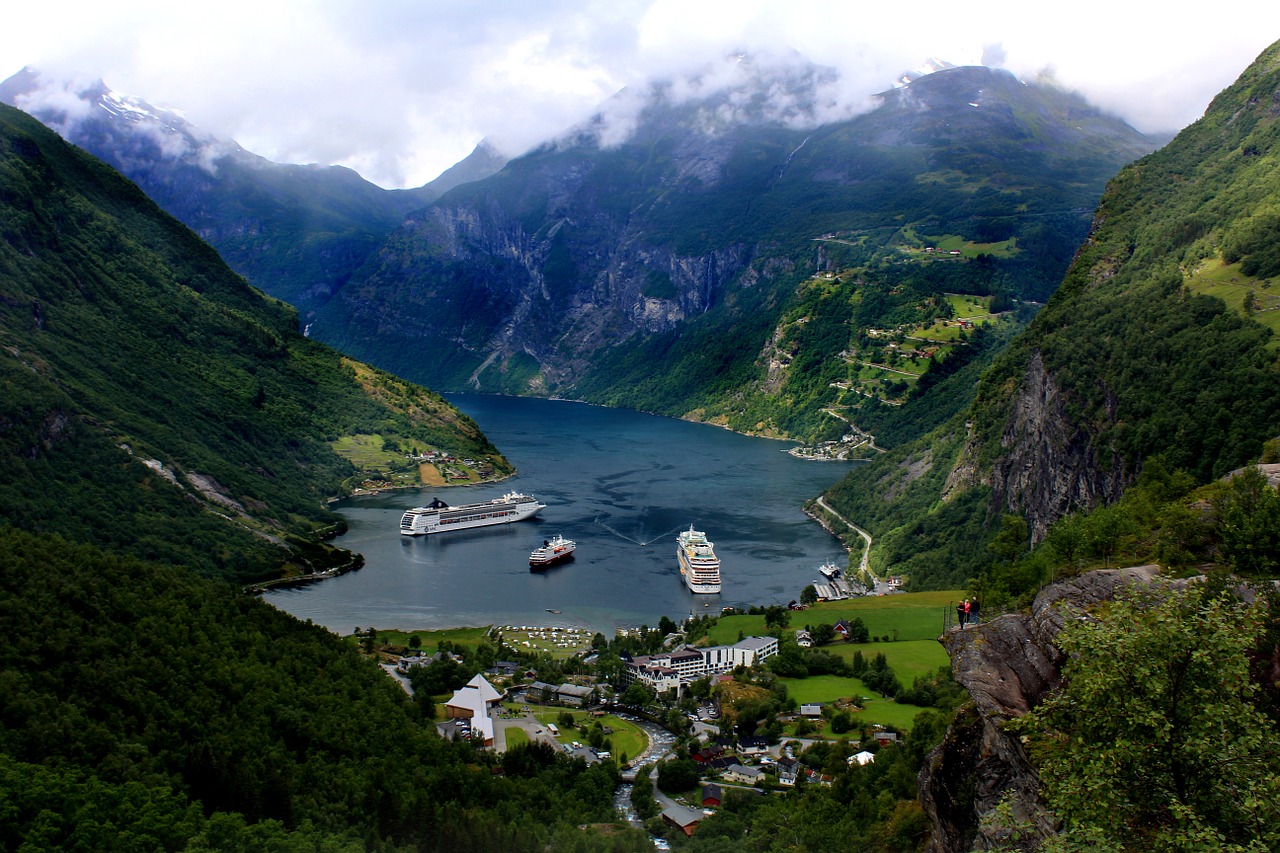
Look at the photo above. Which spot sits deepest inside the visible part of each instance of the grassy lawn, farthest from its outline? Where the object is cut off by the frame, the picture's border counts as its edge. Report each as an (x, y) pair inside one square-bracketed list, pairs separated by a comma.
[(515, 737), (537, 639), (915, 616), (430, 640), (825, 689), (909, 659)]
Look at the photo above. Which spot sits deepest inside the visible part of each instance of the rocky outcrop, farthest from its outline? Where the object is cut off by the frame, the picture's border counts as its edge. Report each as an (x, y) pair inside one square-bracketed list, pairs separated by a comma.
[(1050, 465), (1008, 665)]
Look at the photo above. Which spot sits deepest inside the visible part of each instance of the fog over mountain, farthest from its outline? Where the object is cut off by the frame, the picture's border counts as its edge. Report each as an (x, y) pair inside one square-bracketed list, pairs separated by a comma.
[(401, 93)]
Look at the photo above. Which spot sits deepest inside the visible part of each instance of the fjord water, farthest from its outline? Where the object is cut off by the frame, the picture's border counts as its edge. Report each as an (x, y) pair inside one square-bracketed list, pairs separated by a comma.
[(620, 484)]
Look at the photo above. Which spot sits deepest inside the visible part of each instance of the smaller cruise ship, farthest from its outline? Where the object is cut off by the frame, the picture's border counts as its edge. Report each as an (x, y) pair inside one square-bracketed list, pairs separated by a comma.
[(829, 570), (557, 549), (698, 561)]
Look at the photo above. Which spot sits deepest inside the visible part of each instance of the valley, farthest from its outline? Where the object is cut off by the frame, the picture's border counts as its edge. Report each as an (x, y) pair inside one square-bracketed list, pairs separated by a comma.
[(1034, 348)]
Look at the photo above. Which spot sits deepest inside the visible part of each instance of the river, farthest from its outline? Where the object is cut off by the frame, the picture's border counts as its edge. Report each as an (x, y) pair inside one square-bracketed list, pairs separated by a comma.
[(620, 484)]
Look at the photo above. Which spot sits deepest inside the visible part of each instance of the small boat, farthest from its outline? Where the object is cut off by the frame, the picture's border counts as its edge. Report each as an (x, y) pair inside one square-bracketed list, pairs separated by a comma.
[(549, 610), (554, 550)]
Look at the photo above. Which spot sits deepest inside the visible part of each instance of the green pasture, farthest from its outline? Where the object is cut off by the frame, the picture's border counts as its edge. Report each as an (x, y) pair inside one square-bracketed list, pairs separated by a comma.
[(968, 249), (469, 638), (915, 244), (915, 616), (366, 453), (825, 689), (1226, 282), (909, 659), (516, 736), (947, 333), (965, 305)]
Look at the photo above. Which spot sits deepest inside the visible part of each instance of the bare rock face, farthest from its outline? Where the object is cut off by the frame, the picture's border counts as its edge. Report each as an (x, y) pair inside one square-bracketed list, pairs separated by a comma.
[(1008, 665), (1048, 464)]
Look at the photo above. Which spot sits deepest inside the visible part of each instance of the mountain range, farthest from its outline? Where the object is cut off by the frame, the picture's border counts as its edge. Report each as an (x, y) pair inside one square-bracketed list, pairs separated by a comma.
[(297, 232), (570, 269), (154, 402), (162, 419)]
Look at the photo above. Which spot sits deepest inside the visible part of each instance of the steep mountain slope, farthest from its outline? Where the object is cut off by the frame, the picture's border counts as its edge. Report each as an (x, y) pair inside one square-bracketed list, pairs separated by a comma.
[(152, 401), (297, 232), (581, 264), (1159, 344)]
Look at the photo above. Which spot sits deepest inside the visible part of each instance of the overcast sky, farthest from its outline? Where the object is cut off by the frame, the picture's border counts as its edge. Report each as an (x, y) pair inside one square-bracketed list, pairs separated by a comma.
[(400, 90)]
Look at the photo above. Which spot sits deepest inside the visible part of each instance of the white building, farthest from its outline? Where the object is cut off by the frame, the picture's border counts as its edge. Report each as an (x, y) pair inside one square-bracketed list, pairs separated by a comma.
[(473, 702), (670, 670)]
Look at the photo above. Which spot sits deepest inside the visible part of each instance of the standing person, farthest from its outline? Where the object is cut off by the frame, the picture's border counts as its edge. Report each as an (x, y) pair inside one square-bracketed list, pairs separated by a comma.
[(967, 611), (960, 613), (973, 611)]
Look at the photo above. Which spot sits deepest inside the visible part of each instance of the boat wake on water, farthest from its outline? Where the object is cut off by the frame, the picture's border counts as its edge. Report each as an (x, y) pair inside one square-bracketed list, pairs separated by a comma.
[(621, 535)]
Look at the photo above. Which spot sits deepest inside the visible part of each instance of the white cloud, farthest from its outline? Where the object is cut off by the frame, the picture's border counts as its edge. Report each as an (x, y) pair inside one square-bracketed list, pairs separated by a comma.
[(400, 89)]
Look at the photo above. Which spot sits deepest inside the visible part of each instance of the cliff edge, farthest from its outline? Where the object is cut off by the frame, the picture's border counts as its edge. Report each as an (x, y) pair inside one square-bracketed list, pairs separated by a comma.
[(1008, 665)]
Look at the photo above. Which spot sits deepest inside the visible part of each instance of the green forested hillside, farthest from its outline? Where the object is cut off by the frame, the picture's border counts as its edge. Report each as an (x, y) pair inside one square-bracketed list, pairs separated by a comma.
[(1136, 357), (143, 708), (691, 242), (152, 401), (154, 406)]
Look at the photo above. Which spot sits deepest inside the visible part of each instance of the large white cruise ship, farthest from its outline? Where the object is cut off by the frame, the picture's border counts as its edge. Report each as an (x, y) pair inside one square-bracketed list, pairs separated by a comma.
[(438, 516), (698, 561)]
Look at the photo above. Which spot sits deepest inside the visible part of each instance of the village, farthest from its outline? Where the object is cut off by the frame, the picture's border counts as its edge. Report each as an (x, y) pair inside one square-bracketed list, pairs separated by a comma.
[(695, 713)]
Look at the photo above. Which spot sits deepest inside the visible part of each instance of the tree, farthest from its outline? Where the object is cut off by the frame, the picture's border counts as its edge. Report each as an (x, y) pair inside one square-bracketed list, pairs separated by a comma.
[(677, 775), (637, 694), (823, 634), (776, 616), (1067, 539), (1011, 541), (808, 595), (1154, 738), (1249, 524), (1104, 528)]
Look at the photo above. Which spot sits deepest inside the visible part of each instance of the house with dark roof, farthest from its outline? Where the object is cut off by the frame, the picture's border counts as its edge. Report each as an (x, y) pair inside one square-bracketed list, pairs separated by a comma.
[(712, 795)]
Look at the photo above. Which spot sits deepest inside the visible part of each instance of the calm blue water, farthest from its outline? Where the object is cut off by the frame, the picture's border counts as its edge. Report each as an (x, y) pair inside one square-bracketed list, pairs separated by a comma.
[(621, 485)]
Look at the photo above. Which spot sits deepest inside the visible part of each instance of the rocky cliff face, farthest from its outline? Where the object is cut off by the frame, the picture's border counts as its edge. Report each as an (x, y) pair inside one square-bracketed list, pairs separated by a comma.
[(1049, 465), (1008, 665)]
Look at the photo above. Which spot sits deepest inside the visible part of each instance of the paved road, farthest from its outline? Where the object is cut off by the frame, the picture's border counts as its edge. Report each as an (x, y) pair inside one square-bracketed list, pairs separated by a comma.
[(866, 552)]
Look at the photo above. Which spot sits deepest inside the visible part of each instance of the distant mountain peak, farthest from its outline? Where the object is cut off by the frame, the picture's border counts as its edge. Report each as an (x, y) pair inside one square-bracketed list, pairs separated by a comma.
[(929, 66), (80, 110)]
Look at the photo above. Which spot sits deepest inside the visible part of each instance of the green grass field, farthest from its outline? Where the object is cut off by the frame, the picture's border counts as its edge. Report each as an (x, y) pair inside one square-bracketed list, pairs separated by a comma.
[(909, 659), (1226, 282), (578, 640), (825, 689), (914, 615), (430, 640)]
